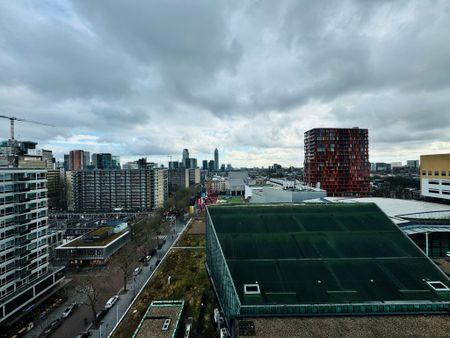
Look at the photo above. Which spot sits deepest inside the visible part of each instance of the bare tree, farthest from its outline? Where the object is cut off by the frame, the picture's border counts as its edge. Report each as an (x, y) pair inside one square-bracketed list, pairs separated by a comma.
[(125, 261), (90, 288)]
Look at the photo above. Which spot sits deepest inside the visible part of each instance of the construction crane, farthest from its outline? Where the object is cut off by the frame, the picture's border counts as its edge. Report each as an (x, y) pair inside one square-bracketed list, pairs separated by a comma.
[(12, 119)]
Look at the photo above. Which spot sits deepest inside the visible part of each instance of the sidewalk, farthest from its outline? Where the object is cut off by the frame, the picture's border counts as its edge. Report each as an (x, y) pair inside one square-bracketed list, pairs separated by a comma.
[(116, 312), (134, 286)]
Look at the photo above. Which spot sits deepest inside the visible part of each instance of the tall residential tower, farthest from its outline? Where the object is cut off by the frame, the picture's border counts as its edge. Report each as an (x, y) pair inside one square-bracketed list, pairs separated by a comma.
[(338, 160), (25, 273)]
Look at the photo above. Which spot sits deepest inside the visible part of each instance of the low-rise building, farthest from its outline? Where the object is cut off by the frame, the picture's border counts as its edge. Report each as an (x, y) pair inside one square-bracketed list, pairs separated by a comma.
[(93, 248), (161, 320), (217, 185), (274, 194)]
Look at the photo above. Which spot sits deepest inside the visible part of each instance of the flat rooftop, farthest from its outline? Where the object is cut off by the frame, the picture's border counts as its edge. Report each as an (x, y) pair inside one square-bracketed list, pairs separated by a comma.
[(343, 253), (399, 210), (151, 325), (83, 241), (366, 326)]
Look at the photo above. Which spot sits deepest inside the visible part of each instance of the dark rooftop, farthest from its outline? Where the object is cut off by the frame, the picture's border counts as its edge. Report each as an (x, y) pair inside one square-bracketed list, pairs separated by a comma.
[(323, 253)]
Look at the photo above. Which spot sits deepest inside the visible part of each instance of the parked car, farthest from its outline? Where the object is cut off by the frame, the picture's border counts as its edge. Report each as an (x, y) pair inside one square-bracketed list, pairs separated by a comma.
[(109, 304), (137, 271), (101, 314), (69, 310), (86, 334), (50, 328)]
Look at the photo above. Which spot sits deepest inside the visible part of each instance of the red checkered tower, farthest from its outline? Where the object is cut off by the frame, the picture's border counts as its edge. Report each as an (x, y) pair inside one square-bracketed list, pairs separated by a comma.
[(338, 159)]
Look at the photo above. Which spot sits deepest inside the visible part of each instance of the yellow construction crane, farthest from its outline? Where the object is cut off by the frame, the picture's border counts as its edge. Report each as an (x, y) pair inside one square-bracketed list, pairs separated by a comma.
[(12, 119)]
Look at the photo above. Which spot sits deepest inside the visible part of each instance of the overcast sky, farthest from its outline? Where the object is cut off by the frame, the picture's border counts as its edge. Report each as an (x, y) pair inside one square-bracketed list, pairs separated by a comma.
[(248, 77)]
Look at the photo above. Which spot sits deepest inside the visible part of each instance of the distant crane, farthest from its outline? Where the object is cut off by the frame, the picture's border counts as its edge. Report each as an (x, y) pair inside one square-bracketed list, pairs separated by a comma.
[(12, 119)]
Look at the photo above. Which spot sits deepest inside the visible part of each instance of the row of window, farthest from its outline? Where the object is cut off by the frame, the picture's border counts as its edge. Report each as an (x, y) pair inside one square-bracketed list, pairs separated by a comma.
[(21, 176), (435, 173), (435, 191), (447, 183)]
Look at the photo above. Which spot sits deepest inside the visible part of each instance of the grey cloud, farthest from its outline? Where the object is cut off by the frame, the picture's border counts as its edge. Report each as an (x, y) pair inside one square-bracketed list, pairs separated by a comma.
[(53, 58), (150, 76)]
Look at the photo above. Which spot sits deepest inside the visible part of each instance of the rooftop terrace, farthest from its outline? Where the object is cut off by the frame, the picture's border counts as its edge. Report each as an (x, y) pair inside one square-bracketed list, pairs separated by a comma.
[(96, 238)]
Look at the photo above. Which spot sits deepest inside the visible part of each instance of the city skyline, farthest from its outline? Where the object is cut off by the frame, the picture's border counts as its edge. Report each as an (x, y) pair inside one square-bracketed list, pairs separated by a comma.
[(248, 77)]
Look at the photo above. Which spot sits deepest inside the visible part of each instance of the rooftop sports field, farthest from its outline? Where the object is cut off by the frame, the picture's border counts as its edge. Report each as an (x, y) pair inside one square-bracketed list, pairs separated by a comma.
[(322, 254)]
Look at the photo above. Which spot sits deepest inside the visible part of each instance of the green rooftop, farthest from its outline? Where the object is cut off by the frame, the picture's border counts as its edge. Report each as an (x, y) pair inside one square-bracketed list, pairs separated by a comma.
[(321, 254)]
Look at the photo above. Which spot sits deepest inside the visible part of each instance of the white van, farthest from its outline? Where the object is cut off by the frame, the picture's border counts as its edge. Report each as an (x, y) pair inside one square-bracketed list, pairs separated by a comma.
[(109, 304), (137, 271)]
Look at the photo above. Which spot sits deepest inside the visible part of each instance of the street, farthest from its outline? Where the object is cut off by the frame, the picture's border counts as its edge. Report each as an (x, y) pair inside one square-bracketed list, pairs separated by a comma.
[(76, 322)]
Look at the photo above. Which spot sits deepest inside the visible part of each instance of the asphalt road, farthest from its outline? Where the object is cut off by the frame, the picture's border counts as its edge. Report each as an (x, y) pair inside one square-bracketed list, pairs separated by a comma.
[(135, 285), (76, 322)]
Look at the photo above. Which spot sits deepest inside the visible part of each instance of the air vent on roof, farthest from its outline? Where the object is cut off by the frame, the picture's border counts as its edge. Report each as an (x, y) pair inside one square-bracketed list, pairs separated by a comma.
[(251, 289), (438, 286), (166, 325)]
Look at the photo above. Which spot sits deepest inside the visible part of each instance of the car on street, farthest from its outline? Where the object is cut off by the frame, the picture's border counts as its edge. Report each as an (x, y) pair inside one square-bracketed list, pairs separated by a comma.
[(137, 271), (109, 304), (86, 334), (50, 328), (101, 314), (69, 310)]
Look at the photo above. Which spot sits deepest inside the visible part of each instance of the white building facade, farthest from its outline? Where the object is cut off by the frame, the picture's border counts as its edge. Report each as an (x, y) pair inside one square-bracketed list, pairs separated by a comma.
[(25, 272)]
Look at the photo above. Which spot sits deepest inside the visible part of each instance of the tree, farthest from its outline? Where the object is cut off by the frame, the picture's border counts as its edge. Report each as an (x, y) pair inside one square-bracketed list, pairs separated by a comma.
[(91, 288), (124, 261)]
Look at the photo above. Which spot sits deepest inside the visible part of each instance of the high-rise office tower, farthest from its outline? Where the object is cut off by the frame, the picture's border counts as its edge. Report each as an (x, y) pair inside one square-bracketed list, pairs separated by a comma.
[(185, 157), (56, 185), (76, 160), (25, 273), (205, 165), (104, 161), (173, 164), (211, 165), (191, 163), (115, 161), (338, 160), (216, 160), (66, 162), (87, 159)]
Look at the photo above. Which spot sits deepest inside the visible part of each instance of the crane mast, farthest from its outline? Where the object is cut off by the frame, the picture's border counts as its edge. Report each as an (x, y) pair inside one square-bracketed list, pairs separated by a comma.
[(12, 120)]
